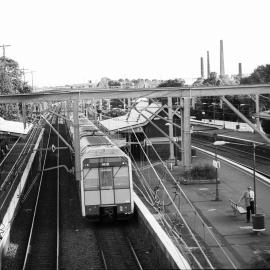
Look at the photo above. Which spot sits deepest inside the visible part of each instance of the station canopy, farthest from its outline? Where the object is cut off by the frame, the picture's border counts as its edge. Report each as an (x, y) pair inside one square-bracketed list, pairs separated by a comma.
[(133, 119), (14, 128)]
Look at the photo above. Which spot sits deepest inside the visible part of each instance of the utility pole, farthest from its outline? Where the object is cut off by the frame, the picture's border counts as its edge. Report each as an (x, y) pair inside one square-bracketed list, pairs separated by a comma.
[(4, 65), (23, 71), (32, 71)]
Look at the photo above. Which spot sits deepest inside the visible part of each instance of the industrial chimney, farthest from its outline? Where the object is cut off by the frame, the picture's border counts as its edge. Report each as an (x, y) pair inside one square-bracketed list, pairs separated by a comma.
[(222, 69), (208, 65), (240, 70), (202, 68)]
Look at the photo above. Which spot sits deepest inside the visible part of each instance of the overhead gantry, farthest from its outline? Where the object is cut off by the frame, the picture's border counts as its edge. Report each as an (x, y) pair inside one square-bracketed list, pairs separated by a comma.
[(186, 94)]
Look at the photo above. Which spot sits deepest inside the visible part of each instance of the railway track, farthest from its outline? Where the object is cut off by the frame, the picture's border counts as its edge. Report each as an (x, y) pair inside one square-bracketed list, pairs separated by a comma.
[(17, 154), (12, 167), (242, 155), (63, 239), (116, 249), (43, 244)]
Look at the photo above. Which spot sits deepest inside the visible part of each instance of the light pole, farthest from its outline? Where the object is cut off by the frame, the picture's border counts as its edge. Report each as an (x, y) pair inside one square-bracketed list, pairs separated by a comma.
[(254, 175), (4, 67), (223, 118), (32, 77), (171, 145), (214, 110), (217, 165), (257, 219), (254, 164), (239, 109), (203, 110)]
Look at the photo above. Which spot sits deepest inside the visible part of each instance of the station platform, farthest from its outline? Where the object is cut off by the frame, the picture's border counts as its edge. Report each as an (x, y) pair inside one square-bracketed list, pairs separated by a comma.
[(247, 248)]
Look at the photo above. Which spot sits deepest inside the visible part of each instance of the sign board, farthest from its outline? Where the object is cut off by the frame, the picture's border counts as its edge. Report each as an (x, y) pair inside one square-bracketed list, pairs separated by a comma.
[(216, 164)]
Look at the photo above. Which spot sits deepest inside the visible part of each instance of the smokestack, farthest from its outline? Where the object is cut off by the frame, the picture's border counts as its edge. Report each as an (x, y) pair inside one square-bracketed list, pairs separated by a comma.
[(202, 68), (240, 70), (208, 65), (222, 69)]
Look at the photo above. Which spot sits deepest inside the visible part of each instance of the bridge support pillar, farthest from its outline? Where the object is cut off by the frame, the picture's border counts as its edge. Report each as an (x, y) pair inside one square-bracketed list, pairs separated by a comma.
[(170, 118), (257, 108), (185, 134)]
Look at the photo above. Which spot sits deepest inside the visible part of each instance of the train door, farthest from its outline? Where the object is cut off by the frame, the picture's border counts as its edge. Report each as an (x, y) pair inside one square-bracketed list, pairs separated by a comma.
[(106, 186)]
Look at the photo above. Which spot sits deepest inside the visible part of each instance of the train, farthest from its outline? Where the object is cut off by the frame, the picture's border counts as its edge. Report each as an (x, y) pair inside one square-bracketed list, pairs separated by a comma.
[(106, 186)]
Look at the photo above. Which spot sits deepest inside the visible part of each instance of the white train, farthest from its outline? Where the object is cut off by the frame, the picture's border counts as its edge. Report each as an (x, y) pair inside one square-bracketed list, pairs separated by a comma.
[(106, 188)]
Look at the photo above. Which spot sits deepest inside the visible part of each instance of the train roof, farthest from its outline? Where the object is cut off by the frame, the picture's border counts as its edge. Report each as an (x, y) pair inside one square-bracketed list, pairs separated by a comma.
[(96, 140), (98, 146), (90, 130), (93, 142)]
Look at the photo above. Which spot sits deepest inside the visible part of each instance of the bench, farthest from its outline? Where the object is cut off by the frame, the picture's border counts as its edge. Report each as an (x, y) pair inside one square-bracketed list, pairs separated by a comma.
[(237, 209)]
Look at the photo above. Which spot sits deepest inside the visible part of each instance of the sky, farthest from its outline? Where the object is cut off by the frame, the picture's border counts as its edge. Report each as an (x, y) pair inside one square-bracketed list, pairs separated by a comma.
[(74, 41)]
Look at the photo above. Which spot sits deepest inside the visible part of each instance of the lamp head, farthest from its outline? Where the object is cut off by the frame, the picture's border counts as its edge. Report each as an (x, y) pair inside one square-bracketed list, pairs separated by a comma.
[(219, 143)]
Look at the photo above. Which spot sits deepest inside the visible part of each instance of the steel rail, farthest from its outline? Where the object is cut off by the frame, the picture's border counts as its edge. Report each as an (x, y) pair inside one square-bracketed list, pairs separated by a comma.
[(58, 201), (6, 195), (134, 254), (177, 210), (19, 158), (248, 156), (13, 182), (35, 210), (11, 149), (103, 259)]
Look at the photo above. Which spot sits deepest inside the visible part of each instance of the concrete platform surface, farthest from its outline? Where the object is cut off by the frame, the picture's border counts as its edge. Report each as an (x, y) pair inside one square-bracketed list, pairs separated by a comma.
[(246, 248)]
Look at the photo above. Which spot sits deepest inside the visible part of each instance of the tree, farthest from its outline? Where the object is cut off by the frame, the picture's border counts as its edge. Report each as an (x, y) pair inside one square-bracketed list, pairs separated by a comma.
[(112, 83), (172, 83), (11, 77), (135, 81), (260, 75)]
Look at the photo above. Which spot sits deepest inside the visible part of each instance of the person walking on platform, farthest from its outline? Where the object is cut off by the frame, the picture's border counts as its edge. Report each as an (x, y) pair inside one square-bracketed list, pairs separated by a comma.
[(248, 196)]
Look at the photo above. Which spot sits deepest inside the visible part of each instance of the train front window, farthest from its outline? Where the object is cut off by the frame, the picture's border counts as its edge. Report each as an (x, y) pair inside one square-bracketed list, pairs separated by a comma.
[(121, 178), (106, 178), (91, 180)]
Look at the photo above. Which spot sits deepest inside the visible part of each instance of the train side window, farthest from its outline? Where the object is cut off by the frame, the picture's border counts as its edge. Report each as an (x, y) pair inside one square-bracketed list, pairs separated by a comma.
[(91, 180), (106, 178), (121, 177)]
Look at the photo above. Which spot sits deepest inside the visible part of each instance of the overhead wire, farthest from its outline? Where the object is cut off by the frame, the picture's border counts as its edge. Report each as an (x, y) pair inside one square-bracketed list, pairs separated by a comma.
[(185, 198), (168, 194), (189, 202)]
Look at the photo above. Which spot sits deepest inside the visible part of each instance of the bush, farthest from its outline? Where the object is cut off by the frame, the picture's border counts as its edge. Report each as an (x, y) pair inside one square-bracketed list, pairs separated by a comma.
[(203, 172)]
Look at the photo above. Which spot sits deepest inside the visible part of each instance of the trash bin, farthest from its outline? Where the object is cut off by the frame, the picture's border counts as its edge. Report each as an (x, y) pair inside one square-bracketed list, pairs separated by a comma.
[(258, 222)]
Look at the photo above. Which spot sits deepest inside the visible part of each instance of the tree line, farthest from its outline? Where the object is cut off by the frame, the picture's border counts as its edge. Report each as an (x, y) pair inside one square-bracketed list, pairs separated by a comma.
[(12, 78)]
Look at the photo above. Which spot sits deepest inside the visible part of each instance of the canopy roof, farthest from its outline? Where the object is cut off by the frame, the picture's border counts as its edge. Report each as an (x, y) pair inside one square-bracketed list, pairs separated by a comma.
[(133, 118), (13, 127)]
